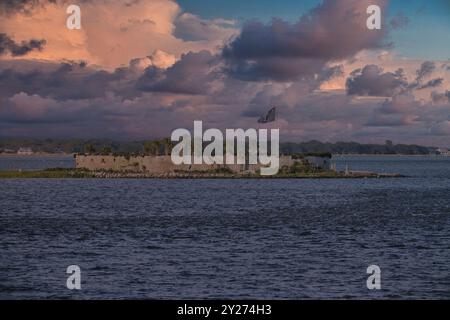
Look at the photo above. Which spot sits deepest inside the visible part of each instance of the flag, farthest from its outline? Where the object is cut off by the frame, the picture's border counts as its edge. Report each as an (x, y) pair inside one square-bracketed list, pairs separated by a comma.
[(269, 117)]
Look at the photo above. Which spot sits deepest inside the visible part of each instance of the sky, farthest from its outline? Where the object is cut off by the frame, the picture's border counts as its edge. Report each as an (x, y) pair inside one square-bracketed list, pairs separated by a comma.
[(138, 69), (430, 19)]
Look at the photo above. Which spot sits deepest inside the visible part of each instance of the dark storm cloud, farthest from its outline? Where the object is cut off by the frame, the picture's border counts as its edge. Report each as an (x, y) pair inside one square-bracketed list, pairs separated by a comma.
[(26, 6), (276, 68), (332, 72), (372, 81), (432, 84), (285, 51), (437, 97), (401, 110), (22, 6), (9, 6), (60, 81), (9, 46), (426, 69), (192, 74)]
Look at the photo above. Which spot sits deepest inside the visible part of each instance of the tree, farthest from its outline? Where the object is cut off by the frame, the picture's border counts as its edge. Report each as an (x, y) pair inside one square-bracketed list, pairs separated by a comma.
[(152, 147), (106, 150), (157, 147), (168, 146), (89, 148), (149, 147)]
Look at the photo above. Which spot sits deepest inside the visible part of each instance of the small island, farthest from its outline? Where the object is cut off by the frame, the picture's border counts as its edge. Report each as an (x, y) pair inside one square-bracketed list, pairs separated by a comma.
[(151, 159), (106, 166)]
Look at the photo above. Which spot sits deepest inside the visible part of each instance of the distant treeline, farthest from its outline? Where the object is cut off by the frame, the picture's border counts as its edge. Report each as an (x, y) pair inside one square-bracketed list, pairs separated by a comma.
[(71, 145), (354, 148), (163, 146)]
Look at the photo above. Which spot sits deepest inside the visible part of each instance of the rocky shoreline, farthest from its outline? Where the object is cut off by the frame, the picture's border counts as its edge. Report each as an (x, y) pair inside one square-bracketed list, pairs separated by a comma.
[(106, 175), (77, 173)]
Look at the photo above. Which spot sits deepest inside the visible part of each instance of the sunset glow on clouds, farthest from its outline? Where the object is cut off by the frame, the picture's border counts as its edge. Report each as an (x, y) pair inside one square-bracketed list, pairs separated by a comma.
[(138, 69), (113, 32)]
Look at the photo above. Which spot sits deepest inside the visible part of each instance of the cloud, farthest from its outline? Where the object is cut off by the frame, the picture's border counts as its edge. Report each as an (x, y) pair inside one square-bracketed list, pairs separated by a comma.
[(426, 69), (9, 46), (192, 74), (441, 128), (440, 98), (264, 99), (145, 117), (112, 32), (26, 109), (372, 81), (158, 59), (284, 51), (139, 69), (432, 84), (192, 28), (20, 6), (61, 81), (402, 103), (418, 118), (384, 120), (276, 69)]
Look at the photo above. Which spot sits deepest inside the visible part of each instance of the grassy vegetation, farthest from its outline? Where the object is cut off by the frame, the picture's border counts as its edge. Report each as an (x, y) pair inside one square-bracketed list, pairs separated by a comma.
[(76, 173), (293, 173), (57, 173), (319, 174), (222, 170)]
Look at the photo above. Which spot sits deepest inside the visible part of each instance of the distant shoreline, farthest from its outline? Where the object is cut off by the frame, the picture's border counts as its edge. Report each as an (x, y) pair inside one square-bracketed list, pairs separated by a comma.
[(386, 155), (44, 154), (37, 154), (161, 145)]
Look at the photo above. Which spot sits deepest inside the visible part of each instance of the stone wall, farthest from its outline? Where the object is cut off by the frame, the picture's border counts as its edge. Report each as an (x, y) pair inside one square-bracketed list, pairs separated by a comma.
[(159, 164), (319, 162), (149, 164)]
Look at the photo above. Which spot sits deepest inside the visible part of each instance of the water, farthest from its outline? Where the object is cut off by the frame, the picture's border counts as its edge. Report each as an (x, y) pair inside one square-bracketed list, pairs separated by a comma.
[(231, 238), (412, 166), (13, 162)]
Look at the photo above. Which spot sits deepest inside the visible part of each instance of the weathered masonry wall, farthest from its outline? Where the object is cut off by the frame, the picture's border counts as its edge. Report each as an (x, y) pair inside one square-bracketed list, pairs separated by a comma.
[(158, 164)]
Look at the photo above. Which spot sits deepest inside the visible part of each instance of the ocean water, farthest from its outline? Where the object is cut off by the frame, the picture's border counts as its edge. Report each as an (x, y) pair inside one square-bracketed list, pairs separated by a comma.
[(271, 239), (12, 162)]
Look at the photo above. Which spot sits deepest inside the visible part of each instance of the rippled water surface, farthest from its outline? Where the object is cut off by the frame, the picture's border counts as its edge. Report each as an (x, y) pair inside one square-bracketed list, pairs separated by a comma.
[(12, 162), (231, 238)]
